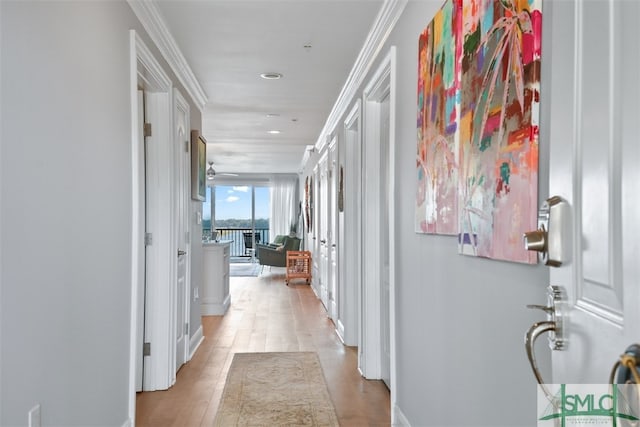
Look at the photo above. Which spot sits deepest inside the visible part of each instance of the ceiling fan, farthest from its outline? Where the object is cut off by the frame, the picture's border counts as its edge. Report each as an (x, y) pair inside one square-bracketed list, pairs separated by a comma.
[(211, 172)]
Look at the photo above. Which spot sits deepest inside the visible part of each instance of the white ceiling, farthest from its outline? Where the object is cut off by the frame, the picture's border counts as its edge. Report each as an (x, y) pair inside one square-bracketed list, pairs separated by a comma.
[(228, 44)]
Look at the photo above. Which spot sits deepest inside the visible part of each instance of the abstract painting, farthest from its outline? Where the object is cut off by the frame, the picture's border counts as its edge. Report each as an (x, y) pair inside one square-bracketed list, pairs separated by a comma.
[(498, 127), (439, 49)]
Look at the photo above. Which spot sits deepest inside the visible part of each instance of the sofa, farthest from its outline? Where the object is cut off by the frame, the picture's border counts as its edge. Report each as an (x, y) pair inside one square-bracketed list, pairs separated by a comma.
[(275, 254)]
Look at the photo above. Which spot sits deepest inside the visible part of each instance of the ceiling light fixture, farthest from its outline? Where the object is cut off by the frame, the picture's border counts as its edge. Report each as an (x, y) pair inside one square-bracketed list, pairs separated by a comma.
[(271, 115), (211, 173), (273, 132), (271, 76)]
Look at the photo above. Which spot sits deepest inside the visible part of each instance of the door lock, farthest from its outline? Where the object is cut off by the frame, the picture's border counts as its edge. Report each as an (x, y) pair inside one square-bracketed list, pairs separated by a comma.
[(548, 239), (552, 325), (555, 297)]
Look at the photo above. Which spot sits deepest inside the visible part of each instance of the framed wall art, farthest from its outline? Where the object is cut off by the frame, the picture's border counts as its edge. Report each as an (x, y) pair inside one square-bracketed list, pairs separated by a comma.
[(498, 127), (436, 208), (198, 166)]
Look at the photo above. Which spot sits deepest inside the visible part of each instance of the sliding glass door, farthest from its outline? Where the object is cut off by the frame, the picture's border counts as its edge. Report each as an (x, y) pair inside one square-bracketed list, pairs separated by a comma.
[(240, 214)]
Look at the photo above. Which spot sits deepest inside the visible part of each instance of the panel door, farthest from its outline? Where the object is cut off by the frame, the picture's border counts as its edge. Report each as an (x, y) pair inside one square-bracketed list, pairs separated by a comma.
[(332, 235), (324, 231), (595, 166), (385, 203), (181, 144)]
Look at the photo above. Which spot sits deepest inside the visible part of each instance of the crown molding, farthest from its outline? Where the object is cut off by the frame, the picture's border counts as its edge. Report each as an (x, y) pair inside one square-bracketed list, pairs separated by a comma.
[(383, 25), (152, 21)]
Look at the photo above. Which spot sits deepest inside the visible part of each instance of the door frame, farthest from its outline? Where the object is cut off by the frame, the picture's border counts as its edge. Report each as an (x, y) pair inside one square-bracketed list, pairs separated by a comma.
[(382, 83), (182, 150), (315, 226), (322, 227), (146, 73), (351, 252), (331, 210)]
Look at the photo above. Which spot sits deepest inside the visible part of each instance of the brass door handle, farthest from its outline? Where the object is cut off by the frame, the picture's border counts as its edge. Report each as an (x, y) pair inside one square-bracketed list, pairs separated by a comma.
[(530, 337), (553, 325)]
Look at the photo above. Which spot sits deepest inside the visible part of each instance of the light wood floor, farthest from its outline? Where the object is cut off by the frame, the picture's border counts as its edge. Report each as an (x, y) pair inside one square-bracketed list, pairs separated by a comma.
[(265, 315)]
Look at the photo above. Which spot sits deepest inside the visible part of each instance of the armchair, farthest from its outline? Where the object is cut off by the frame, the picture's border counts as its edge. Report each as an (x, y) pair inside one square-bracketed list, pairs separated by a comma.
[(275, 254)]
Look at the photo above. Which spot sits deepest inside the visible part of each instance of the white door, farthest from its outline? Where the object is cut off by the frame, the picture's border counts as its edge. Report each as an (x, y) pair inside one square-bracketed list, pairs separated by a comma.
[(595, 165), (323, 230), (385, 203), (351, 249), (377, 320), (314, 193), (141, 255), (332, 234), (182, 135)]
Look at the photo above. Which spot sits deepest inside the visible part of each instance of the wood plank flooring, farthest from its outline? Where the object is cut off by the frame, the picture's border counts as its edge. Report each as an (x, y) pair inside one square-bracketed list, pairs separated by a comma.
[(265, 315)]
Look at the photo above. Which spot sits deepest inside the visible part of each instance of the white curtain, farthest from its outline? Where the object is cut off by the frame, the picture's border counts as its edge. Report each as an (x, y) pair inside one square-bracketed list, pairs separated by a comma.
[(283, 205)]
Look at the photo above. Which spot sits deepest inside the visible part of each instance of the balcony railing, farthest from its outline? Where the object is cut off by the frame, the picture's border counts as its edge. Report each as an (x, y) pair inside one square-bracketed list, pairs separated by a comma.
[(237, 236)]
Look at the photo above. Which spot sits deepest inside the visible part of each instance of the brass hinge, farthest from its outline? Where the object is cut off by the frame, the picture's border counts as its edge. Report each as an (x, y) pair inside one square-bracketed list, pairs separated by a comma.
[(146, 349), (147, 129), (186, 146), (186, 329), (148, 239)]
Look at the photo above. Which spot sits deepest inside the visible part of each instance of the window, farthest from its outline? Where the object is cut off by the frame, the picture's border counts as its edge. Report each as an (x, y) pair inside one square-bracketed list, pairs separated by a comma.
[(234, 210)]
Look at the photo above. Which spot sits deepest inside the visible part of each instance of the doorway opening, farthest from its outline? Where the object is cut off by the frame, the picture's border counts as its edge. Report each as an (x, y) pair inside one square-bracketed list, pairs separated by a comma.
[(378, 295), (153, 299), (240, 214)]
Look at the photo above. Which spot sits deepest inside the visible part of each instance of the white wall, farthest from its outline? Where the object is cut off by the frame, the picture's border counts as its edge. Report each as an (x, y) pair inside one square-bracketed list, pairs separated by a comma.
[(197, 254), (460, 320), (65, 211)]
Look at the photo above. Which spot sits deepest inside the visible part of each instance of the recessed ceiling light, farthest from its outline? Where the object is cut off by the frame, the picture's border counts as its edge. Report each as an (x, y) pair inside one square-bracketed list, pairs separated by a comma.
[(273, 115), (273, 132), (271, 76)]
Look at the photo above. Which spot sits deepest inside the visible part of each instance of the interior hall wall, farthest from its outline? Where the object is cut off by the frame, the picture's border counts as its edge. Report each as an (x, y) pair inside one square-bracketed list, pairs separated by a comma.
[(197, 254), (460, 320), (65, 210)]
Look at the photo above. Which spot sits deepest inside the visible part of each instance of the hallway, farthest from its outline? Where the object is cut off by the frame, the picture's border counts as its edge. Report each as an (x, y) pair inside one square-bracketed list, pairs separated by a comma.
[(265, 315)]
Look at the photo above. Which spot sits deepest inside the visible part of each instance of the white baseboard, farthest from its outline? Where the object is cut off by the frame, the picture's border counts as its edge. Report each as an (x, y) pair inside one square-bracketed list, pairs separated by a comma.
[(398, 418), (128, 423), (314, 289), (215, 309), (195, 342)]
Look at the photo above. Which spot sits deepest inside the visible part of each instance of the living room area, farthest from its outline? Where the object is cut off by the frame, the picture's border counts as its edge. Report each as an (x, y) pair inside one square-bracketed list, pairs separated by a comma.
[(259, 217)]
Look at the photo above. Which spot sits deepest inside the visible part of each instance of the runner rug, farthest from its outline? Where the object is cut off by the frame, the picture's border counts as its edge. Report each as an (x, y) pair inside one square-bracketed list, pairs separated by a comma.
[(246, 269), (276, 389)]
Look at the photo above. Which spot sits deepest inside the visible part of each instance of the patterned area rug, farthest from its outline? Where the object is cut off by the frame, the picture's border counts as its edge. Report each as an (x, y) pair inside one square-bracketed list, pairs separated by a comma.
[(276, 389), (245, 269)]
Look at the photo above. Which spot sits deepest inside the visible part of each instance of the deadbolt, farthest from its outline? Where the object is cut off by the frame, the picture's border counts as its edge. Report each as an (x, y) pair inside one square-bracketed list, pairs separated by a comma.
[(549, 240), (536, 240)]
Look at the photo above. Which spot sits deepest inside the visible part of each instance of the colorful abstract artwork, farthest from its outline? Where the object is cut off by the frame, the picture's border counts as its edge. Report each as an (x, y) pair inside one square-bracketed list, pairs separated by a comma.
[(498, 127), (478, 109), (438, 104)]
